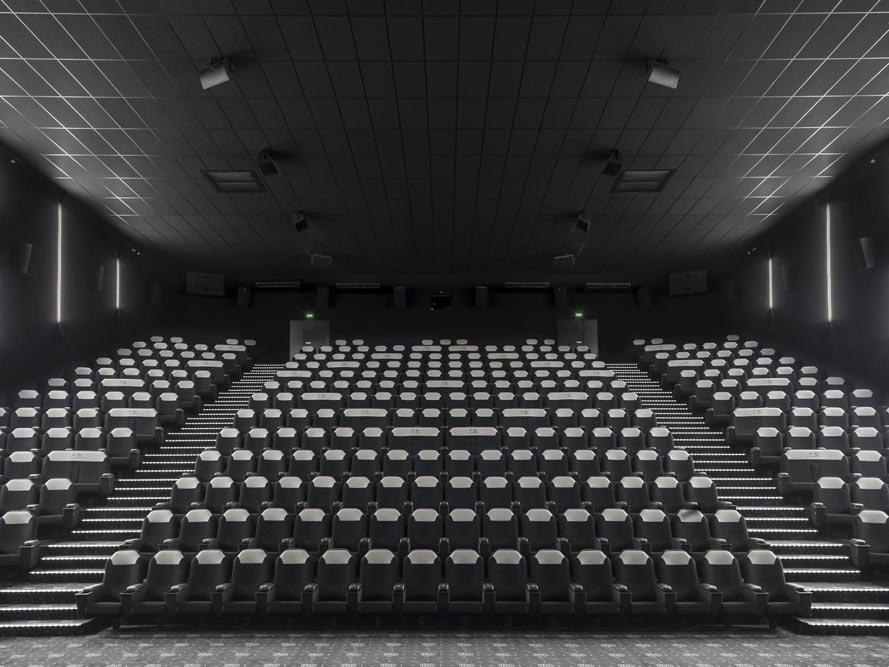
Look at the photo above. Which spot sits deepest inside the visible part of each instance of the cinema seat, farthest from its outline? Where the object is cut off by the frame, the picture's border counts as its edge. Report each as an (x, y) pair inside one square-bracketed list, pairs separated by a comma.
[(251, 569), (123, 569), (166, 569), (761, 567)]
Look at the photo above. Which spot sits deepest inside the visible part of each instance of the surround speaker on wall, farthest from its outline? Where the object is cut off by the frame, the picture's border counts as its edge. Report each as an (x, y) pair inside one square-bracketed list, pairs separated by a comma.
[(100, 278), (688, 282), (866, 255), (244, 295), (322, 297), (399, 297), (157, 292), (643, 297), (481, 297), (209, 284), (561, 297), (783, 278), (27, 259)]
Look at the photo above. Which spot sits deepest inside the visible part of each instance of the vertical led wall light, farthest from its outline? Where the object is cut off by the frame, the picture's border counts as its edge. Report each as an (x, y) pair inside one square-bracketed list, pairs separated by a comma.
[(117, 284), (59, 265), (771, 287), (828, 267)]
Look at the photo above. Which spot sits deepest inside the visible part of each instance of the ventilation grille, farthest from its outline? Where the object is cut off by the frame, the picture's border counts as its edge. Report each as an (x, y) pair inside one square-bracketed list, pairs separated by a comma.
[(642, 180), (234, 182), (278, 284), (357, 286), (607, 287), (521, 285)]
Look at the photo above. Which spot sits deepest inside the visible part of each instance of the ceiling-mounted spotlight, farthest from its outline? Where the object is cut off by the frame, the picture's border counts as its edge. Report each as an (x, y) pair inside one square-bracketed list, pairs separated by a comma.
[(218, 72), (135, 251), (613, 163), (267, 163), (321, 260), (299, 221), (584, 221), (661, 74)]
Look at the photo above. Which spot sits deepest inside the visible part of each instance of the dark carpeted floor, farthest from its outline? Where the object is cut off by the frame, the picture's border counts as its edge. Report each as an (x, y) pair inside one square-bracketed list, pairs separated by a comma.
[(245, 648)]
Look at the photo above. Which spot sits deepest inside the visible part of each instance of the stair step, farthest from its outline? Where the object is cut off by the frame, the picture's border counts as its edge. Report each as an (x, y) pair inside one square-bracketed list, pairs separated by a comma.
[(82, 548), (803, 574), (49, 627), (39, 593), (844, 626), (36, 611), (86, 575), (852, 591), (850, 610)]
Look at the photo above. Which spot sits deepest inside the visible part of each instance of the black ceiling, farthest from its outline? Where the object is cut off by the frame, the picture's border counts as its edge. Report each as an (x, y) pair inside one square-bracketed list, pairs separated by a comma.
[(443, 137)]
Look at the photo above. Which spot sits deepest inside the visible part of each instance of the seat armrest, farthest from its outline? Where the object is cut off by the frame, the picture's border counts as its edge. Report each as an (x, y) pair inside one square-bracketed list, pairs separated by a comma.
[(534, 598), (855, 508), (310, 594), (398, 596), (209, 543), (175, 596), (264, 595), (718, 543), (86, 597), (444, 598), (352, 596), (710, 594), (666, 596), (859, 553), (132, 595), (621, 594), (71, 515), (29, 553), (642, 543), (755, 595), (170, 543), (221, 594), (602, 545), (248, 543), (106, 483), (488, 598)]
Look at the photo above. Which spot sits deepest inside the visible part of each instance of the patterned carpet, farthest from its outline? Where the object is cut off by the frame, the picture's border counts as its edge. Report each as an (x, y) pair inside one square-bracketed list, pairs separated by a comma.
[(243, 648)]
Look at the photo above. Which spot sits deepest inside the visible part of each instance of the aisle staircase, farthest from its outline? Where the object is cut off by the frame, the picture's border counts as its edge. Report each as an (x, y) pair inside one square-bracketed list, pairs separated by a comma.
[(43, 604), (844, 601)]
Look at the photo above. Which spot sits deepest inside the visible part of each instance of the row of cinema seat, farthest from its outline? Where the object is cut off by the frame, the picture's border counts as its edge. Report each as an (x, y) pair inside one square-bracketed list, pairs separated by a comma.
[(561, 492), (60, 448), (295, 583), (507, 423), (612, 530), (826, 438)]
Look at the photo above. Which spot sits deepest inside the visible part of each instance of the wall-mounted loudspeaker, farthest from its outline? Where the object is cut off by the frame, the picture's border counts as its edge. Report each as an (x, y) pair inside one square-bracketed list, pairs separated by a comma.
[(157, 292), (100, 278), (866, 253), (27, 259), (399, 297), (481, 297), (322, 297), (643, 297), (244, 295), (783, 278), (561, 296)]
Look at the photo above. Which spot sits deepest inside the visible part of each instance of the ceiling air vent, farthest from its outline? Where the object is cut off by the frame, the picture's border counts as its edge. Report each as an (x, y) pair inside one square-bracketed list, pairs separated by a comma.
[(521, 285), (641, 180), (356, 286), (607, 287), (235, 181), (278, 284)]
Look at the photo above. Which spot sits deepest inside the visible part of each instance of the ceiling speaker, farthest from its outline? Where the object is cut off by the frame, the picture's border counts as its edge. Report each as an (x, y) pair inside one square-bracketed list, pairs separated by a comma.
[(399, 297), (613, 163), (244, 295), (323, 261), (866, 253), (322, 297), (584, 221), (266, 162), (481, 297), (561, 297), (299, 221)]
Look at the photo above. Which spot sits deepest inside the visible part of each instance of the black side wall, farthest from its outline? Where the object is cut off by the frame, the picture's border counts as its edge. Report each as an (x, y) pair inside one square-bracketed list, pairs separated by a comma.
[(32, 345), (855, 342)]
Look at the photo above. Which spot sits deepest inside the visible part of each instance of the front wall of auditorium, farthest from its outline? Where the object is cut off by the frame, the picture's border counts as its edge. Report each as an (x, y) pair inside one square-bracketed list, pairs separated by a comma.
[(32, 344)]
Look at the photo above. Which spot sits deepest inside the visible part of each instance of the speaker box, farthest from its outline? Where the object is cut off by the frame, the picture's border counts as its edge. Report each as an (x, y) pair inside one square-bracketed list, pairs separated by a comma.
[(783, 278), (561, 297), (729, 291), (399, 297), (267, 164), (157, 292), (866, 253), (26, 259), (322, 297), (481, 297), (100, 278), (643, 297), (244, 295)]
